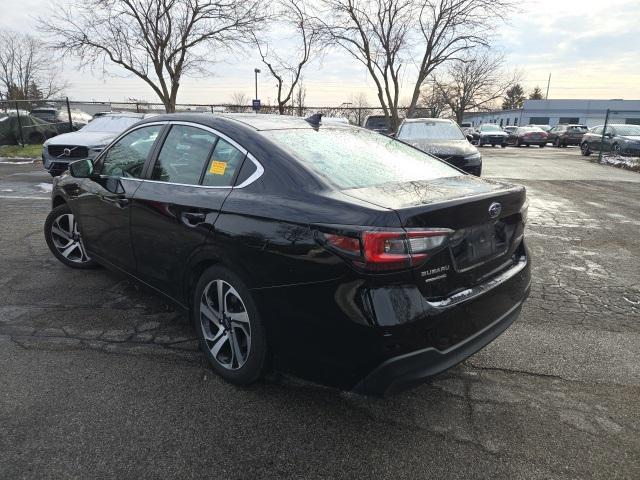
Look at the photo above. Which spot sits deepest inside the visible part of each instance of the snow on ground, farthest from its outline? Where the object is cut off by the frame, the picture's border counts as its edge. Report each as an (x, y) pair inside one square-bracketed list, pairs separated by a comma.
[(619, 161)]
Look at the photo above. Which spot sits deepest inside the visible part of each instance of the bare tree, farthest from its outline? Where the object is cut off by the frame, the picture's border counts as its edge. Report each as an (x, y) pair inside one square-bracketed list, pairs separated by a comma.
[(286, 65), (375, 33), (448, 30), (299, 98), (474, 83), (239, 98), (158, 41), (26, 69), (432, 101)]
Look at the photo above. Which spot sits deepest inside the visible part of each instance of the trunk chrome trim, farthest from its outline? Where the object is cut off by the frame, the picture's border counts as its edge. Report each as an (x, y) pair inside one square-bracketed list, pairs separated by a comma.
[(478, 290)]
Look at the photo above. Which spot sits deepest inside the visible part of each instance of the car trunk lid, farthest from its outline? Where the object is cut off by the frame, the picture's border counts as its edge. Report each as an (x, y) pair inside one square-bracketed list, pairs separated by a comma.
[(485, 217)]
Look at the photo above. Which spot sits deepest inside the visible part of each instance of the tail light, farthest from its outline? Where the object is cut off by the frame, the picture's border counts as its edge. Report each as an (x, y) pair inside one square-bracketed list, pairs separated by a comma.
[(386, 250)]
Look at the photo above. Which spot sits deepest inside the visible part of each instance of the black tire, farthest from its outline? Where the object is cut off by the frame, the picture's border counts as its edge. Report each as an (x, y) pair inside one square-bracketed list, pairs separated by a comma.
[(61, 235), (253, 347), (541, 145), (518, 143), (557, 143), (584, 149), (35, 138), (479, 143), (615, 149), (503, 145), (526, 145)]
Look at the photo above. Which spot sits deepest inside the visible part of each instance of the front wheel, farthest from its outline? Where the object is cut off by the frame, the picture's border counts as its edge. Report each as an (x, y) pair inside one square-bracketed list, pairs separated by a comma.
[(584, 149), (615, 149), (541, 145), (229, 327), (503, 145), (63, 238)]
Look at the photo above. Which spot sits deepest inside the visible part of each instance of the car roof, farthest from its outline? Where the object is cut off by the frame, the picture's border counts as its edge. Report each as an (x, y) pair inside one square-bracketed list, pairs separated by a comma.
[(255, 122), (427, 119), (124, 114)]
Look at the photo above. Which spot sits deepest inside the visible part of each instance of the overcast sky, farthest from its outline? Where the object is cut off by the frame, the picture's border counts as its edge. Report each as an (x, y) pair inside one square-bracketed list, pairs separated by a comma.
[(590, 47)]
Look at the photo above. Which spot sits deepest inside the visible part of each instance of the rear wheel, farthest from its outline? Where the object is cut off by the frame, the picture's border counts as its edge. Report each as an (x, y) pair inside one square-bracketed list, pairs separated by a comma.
[(615, 149), (63, 238), (229, 327), (541, 145), (503, 145), (584, 149)]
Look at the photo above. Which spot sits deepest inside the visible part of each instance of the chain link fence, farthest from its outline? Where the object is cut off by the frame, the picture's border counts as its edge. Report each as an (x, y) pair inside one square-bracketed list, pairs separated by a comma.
[(33, 121)]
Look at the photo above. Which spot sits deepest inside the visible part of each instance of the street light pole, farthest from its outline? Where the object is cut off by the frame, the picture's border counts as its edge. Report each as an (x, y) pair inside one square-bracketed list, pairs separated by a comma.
[(256, 71)]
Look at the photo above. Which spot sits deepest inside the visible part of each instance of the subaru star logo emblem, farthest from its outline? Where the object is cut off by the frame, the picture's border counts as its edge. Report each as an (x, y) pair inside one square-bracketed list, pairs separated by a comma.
[(66, 152), (494, 209)]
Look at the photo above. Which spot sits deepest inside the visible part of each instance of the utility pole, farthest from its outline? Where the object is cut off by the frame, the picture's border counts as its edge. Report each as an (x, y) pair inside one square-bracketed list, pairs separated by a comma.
[(546, 97)]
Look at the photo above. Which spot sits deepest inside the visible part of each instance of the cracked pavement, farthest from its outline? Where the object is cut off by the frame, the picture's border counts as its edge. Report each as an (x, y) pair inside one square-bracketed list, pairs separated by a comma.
[(99, 378)]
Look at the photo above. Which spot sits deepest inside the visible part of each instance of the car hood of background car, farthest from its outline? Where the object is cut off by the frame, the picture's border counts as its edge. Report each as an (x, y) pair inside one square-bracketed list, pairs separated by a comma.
[(444, 148), (82, 138), (425, 192)]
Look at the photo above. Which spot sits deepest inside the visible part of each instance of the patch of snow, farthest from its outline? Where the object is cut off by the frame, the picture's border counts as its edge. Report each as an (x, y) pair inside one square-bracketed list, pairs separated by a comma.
[(628, 163), (45, 187)]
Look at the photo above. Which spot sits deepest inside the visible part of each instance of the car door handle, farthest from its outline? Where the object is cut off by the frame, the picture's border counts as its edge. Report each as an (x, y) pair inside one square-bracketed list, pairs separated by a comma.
[(193, 218)]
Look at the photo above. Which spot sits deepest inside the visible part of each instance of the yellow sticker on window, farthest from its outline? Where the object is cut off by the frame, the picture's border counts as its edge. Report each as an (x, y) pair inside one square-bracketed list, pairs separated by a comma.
[(218, 168)]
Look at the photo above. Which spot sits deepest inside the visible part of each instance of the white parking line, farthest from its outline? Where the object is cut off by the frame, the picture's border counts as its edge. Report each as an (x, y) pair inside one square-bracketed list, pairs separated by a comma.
[(24, 198)]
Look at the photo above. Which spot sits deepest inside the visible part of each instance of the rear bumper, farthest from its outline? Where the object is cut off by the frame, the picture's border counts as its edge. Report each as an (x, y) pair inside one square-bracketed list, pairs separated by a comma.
[(406, 371)]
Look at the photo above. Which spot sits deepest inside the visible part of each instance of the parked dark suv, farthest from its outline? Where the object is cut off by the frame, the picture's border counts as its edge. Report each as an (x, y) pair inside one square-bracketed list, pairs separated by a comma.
[(564, 135), (60, 118), (330, 251)]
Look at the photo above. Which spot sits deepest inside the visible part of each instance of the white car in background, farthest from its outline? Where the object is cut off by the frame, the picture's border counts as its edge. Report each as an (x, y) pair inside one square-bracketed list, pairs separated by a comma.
[(59, 151)]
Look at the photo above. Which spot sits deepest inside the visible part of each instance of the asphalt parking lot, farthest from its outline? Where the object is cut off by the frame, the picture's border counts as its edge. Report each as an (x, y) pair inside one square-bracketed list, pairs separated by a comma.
[(101, 379)]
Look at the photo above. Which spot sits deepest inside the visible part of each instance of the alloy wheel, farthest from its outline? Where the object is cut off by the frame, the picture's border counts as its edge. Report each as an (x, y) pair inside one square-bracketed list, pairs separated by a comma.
[(225, 324), (67, 240)]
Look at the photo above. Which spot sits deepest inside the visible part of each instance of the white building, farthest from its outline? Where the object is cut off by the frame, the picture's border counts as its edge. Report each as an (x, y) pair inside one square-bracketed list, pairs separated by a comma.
[(554, 112)]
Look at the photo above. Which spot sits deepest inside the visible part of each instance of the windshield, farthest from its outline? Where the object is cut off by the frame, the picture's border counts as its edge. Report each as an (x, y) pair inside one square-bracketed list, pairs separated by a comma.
[(490, 128), (356, 158), (110, 124), (531, 129), (628, 130), (430, 131), (577, 128)]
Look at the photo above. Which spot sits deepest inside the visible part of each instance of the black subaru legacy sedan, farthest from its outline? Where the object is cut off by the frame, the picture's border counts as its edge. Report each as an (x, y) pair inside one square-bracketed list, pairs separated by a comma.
[(329, 251)]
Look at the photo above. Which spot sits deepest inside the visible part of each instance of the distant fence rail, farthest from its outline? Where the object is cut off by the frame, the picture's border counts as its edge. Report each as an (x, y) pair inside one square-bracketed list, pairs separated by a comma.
[(355, 115)]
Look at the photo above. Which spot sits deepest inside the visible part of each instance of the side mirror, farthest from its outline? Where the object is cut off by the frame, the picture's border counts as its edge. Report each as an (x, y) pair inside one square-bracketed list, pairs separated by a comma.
[(81, 168), (470, 137)]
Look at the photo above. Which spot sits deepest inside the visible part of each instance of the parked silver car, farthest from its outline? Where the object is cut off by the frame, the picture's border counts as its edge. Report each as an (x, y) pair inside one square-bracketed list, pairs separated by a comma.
[(87, 142)]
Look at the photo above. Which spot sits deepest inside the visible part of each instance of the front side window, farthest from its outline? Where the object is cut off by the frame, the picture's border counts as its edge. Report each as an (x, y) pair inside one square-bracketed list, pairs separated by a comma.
[(356, 158), (127, 156), (223, 166), (183, 155)]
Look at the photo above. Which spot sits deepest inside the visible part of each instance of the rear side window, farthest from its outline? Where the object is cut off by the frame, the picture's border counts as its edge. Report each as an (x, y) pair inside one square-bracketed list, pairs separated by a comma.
[(356, 158), (183, 155), (223, 166)]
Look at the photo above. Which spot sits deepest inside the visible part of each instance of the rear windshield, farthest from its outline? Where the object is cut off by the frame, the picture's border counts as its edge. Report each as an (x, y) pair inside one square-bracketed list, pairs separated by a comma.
[(357, 158), (376, 122), (631, 130), (430, 131), (490, 128)]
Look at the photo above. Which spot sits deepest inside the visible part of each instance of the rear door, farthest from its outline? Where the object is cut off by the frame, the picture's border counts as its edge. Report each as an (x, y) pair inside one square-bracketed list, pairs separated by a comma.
[(175, 208)]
